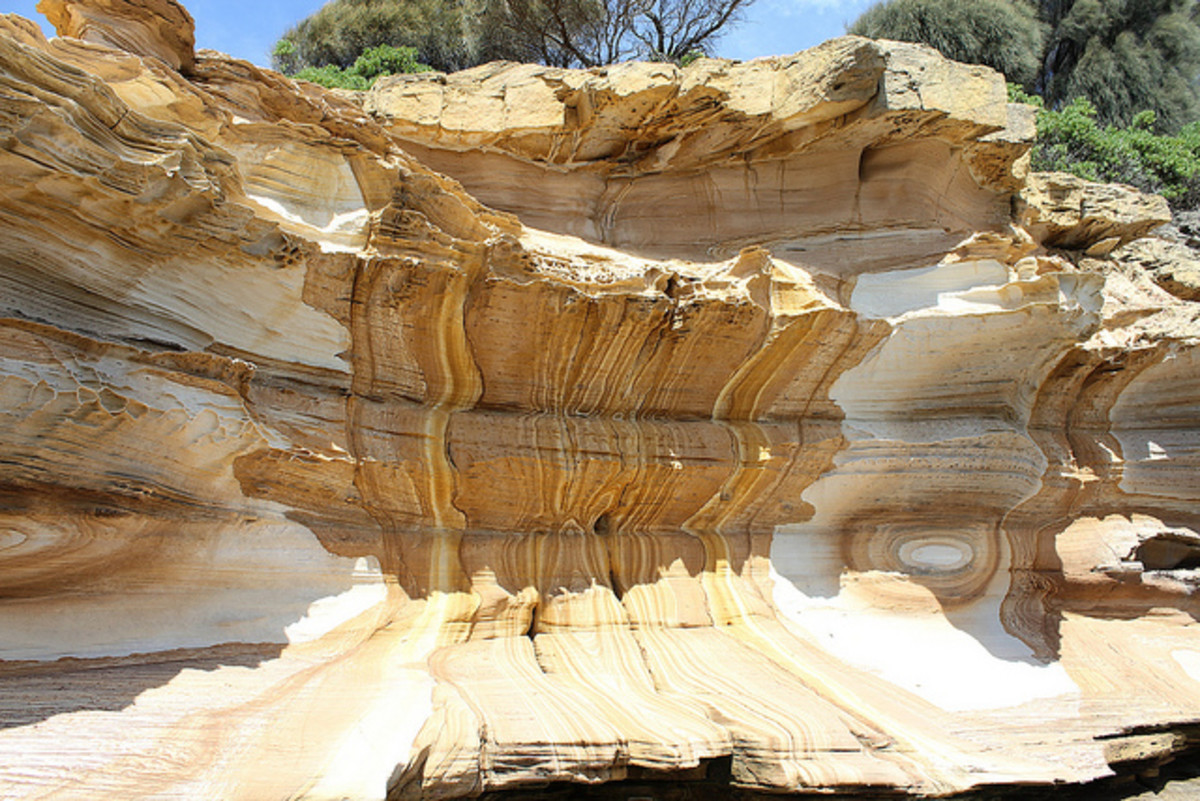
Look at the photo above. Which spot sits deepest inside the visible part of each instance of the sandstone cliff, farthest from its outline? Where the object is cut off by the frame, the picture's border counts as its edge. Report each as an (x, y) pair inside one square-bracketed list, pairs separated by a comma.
[(764, 424)]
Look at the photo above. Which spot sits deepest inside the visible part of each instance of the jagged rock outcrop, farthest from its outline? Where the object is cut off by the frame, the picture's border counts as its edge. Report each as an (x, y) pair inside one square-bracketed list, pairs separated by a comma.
[(762, 424), (151, 28), (1173, 266), (1064, 211)]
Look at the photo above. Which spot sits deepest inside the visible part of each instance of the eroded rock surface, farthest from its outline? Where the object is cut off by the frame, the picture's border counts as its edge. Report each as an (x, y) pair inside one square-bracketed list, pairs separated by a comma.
[(527, 425), (1173, 265), (161, 29)]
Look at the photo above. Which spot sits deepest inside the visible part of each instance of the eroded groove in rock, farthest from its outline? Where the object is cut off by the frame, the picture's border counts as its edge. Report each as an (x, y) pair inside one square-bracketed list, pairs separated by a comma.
[(769, 427)]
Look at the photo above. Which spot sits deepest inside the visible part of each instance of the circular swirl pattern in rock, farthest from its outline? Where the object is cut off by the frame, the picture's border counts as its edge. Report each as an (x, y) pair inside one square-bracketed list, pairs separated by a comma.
[(954, 562)]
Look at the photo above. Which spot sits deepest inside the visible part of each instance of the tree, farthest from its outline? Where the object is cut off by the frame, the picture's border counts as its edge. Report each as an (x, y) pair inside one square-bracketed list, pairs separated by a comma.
[(672, 29), (590, 33), (445, 33), (1124, 56), (1002, 34), (454, 34)]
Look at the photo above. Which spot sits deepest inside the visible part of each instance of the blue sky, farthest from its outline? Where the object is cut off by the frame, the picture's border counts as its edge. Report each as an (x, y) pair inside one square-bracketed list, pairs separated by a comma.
[(249, 29)]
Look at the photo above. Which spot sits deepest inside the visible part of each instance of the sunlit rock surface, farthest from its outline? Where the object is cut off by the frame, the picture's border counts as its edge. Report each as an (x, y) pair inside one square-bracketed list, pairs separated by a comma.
[(745, 423)]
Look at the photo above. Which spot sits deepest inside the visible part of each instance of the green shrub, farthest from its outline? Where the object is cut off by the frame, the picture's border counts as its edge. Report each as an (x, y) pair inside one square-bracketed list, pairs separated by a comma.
[(374, 62), (1070, 140), (387, 60), (333, 78)]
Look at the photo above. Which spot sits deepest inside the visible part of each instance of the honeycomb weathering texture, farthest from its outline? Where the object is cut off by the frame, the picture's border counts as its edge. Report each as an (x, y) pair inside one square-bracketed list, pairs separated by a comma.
[(763, 423)]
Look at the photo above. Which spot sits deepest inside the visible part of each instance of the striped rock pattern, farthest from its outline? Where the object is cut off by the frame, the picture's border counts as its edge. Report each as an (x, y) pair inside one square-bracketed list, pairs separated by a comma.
[(762, 425)]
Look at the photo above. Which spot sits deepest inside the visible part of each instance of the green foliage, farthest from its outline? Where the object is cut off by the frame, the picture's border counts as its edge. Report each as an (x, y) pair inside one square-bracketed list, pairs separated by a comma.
[(1071, 140), (1002, 34), (1017, 94), (1124, 56), (333, 77), (446, 34), (283, 56), (387, 60), (455, 34), (374, 62)]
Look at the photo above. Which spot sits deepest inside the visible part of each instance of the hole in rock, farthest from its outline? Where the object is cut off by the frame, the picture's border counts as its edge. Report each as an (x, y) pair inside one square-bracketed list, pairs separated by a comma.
[(719, 769), (712, 780), (602, 527), (149, 343), (616, 588), (1169, 552), (531, 632), (108, 511)]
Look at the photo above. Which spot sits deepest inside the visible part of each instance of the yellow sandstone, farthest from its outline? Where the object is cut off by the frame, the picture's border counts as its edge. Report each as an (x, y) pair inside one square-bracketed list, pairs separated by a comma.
[(753, 423)]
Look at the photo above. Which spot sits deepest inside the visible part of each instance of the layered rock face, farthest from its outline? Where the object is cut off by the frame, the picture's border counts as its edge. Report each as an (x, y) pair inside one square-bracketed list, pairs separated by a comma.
[(758, 424)]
